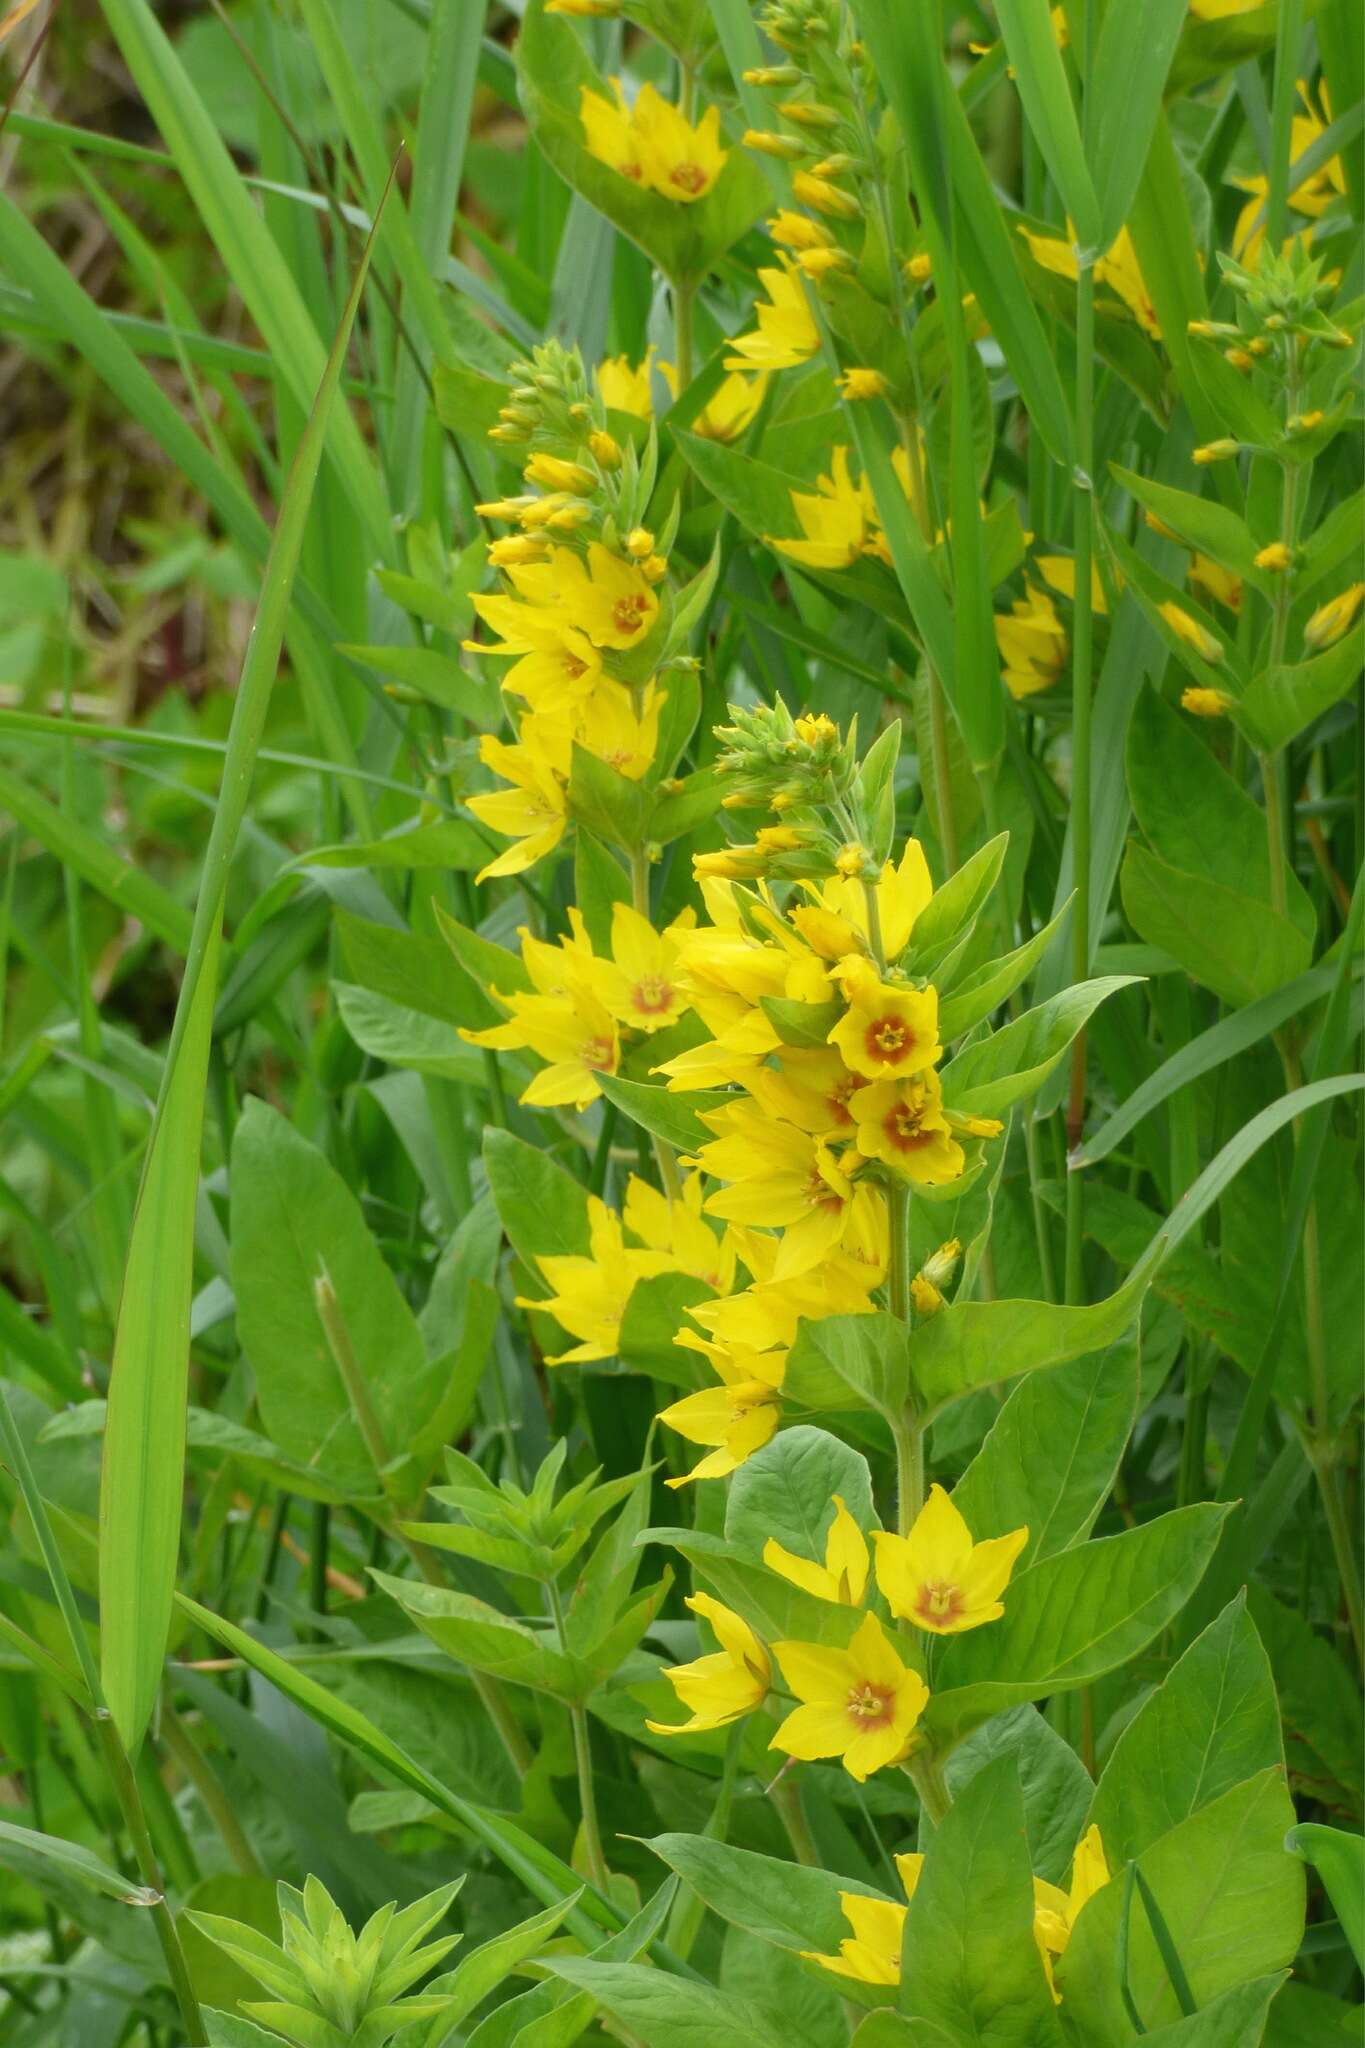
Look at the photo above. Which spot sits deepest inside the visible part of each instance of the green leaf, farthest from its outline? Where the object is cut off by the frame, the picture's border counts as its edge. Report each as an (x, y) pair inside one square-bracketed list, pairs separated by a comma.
[(1201, 523), (851, 1362), (673, 1117), (1132, 59), (1057, 1787), (607, 802), (1280, 702), (786, 1491), (1212, 1723), (476, 1634), (1230, 941), (1320, 1705), (448, 843), (489, 1965), (1339, 1860), (71, 1860), (1073, 1617), (790, 1906), (1235, 2019), (402, 1037), (1013, 1063), (293, 1216), (989, 986), (970, 1959), (543, 1209), (685, 2012), (1040, 74), (437, 677), (1231, 1898), (492, 967), (1051, 1454), (952, 911), (654, 1315)]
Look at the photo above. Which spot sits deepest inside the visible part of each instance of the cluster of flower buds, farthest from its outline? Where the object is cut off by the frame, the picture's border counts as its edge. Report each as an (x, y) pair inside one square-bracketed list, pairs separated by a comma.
[(776, 762), (1281, 312), (550, 401), (816, 101)]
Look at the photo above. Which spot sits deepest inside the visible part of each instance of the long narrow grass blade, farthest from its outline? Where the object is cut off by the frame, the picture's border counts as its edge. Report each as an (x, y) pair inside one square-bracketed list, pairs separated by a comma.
[(1031, 43), (144, 1442), (1136, 45)]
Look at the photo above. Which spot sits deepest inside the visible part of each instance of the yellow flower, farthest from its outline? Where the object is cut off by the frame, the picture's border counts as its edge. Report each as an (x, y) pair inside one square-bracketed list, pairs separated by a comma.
[(782, 1177), (589, 1291), (863, 383), (532, 813), (842, 1576), (926, 1288), (738, 1418), (1332, 619), (872, 1953), (818, 263), (677, 1230), (607, 598), (812, 1089), (640, 984), (1055, 1912), (555, 474), (1032, 643), (1311, 195), (836, 922), (937, 1578), (681, 161), (824, 197), (573, 1032), (833, 519), (610, 134), (799, 231), (608, 723), (1276, 557), (1118, 270), (515, 547), (889, 1032), (1191, 632), (787, 333), (1216, 581), (1206, 703), (1059, 573), (860, 1704), (721, 1687), (903, 1124), (731, 407)]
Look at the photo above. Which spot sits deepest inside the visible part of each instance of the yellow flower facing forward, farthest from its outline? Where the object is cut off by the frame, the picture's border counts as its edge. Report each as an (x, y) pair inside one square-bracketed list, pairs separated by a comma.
[(737, 1419), (620, 729), (556, 665), (780, 1177), (719, 1688), (641, 984), (1032, 643), (812, 1089), (1332, 619), (842, 1576), (872, 1953), (860, 1704), (589, 1291), (532, 813), (889, 1033), (576, 1036), (681, 161), (903, 1124), (937, 1577), (1189, 629), (605, 597), (786, 334), (1055, 1912)]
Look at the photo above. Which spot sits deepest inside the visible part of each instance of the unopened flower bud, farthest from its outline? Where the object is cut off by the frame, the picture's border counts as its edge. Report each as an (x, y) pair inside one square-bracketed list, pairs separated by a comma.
[(1215, 451), (1206, 703), (1188, 629), (766, 143), (1332, 619), (1276, 557), (640, 543)]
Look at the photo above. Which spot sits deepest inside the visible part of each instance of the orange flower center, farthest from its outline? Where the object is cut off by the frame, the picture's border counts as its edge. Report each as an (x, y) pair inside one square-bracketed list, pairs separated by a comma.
[(839, 1097), (936, 1602), (818, 1193), (870, 1706), (628, 613), (652, 995), (688, 177), (889, 1039), (902, 1127), (597, 1055), (634, 171)]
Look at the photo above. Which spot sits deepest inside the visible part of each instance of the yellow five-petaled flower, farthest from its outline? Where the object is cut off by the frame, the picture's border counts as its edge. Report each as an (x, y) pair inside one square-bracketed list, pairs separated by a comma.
[(937, 1577), (860, 1704)]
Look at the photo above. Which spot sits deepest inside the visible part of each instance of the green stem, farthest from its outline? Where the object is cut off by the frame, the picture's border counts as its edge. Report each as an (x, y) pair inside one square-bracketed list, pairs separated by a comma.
[(212, 1797), (120, 1773), (582, 1749), (909, 1473), (1081, 681), (926, 1774), (1288, 40), (786, 1797)]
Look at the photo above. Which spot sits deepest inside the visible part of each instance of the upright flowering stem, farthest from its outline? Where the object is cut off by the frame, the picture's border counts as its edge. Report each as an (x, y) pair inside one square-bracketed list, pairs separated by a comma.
[(582, 1749), (1082, 645), (639, 895)]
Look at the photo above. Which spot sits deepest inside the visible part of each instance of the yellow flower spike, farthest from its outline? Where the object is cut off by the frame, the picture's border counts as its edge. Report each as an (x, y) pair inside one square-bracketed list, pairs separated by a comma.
[(1216, 451), (1277, 557), (857, 383), (554, 474), (1191, 632), (903, 1124), (799, 231), (720, 1688), (824, 197), (737, 1419), (860, 1704), (889, 1032), (786, 334), (1206, 703), (843, 1575), (872, 1953), (937, 1577), (1334, 618)]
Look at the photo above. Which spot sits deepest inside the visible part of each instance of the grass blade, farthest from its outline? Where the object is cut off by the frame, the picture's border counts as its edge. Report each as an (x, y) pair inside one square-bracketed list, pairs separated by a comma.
[(142, 1479), (1136, 45), (1031, 42)]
